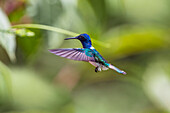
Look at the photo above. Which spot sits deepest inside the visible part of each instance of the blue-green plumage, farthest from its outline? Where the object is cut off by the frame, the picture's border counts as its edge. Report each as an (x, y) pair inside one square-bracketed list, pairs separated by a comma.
[(88, 53)]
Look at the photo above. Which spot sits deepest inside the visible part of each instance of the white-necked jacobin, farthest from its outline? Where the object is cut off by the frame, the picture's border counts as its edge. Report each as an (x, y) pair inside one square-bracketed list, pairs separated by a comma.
[(88, 54)]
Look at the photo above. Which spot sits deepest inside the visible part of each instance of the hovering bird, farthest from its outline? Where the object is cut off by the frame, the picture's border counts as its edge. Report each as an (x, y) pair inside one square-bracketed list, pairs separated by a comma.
[(88, 54)]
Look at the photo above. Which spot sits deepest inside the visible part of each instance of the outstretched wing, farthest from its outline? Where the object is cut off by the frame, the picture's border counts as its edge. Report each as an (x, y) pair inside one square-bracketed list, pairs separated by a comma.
[(73, 53)]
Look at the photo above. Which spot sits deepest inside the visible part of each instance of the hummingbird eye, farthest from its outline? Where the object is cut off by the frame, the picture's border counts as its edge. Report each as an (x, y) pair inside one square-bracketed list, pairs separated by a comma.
[(82, 38)]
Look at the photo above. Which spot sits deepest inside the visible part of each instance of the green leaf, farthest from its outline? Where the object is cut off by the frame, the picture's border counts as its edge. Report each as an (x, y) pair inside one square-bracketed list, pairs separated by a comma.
[(7, 41), (131, 40), (156, 83), (31, 92), (58, 30), (24, 32), (111, 97), (5, 82)]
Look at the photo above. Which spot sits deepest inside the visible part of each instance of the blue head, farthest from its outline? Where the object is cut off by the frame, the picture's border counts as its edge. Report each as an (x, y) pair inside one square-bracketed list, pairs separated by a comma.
[(84, 39)]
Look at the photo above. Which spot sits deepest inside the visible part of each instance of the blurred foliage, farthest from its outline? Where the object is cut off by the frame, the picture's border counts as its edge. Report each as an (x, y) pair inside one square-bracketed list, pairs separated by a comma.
[(40, 82), (7, 40)]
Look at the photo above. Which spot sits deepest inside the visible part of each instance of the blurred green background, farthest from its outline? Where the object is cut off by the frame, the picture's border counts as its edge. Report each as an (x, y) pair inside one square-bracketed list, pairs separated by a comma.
[(32, 80)]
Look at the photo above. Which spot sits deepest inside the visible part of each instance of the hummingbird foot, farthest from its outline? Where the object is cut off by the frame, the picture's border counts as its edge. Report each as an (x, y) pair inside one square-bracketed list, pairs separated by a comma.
[(97, 69)]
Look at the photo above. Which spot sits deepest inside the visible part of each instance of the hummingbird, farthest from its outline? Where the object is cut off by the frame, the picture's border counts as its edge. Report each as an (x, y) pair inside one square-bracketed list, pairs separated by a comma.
[(88, 54)]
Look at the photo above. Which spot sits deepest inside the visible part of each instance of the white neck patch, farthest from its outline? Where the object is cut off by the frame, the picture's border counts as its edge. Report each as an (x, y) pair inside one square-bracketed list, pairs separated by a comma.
[(91, 47)]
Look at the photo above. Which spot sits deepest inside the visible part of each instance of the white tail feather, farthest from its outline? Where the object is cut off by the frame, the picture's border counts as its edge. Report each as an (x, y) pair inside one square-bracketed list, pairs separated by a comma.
[(116, 69)]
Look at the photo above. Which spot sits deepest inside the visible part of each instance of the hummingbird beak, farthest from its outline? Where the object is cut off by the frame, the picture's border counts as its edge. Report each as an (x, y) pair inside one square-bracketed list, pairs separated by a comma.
[(71, 38)]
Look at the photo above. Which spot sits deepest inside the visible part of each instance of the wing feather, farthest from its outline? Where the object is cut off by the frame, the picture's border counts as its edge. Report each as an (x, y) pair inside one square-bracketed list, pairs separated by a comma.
[(73, 53), (73, 57)]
